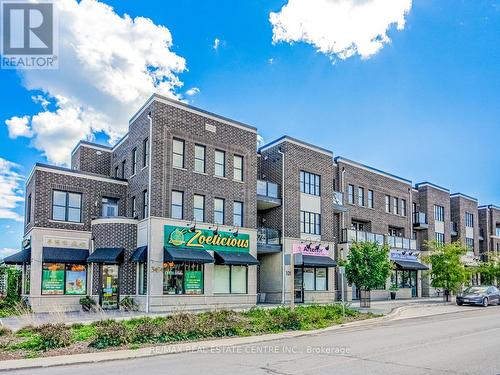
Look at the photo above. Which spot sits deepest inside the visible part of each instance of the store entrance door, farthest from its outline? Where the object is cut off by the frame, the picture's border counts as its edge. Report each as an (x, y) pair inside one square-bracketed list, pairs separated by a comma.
[(298, 286), (109, 296)]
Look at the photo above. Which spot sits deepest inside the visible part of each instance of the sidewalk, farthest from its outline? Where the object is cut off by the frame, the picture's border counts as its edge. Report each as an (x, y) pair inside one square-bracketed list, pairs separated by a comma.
[(386, 306)]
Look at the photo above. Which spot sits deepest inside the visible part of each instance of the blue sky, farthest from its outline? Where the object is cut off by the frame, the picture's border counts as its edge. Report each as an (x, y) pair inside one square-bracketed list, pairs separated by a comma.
[(424, 106)]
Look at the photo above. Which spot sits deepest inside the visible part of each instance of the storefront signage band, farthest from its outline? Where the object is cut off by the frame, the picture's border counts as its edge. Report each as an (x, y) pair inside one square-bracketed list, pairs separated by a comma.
[(310, 250)]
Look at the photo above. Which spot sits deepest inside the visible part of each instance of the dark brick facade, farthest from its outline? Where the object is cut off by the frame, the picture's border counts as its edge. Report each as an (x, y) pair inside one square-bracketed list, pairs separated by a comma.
[(489, 220), (460, 205), (93, 159)]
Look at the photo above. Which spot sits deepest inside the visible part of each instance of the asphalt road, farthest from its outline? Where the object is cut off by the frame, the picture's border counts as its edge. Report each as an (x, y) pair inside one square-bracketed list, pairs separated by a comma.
[(463, 342)]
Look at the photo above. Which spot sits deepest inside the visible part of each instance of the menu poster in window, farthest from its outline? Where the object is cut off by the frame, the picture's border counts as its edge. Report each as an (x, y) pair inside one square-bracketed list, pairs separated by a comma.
[(76, 280), (53, 281), (193, 282)]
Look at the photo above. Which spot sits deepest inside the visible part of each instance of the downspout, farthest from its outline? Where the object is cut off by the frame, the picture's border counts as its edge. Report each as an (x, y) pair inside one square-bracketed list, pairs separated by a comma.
[(148, 260), (282, 226)]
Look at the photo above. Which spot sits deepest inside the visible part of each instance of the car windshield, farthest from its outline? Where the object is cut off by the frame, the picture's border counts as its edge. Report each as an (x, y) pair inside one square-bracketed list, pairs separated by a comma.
[(476, 290)]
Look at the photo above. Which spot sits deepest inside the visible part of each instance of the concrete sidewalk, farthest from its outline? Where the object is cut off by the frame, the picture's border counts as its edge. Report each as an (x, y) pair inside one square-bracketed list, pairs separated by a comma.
[(386, 306)]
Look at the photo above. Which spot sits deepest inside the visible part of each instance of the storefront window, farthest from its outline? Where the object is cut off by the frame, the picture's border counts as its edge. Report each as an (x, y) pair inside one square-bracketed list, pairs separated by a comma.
[(230, 279), (182, 278), (315, 278), (60, 278), (321, 279), (308, 275), (27, 279), (142, 278)]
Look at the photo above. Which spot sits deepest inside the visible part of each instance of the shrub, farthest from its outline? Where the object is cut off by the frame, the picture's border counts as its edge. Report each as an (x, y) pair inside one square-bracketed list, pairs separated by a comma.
[(109, 333), (220, 323), (145, 332), (129, 304), (87, 303), (178, 327), (54, 336), (4, 331)]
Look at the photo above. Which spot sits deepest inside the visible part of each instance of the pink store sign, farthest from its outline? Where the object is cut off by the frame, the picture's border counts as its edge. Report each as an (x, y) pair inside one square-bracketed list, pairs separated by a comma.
[(305, 250)]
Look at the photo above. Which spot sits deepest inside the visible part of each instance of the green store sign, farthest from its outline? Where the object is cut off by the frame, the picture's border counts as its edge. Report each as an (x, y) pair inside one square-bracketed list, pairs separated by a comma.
[(204, 239)]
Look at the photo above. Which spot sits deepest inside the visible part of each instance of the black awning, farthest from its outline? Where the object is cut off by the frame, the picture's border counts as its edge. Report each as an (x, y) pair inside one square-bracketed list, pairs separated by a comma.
[(318, 261), (410, 265), (140, 255), (109, 255), (64, 255), (21, 257), (181, 254), (234, 257)]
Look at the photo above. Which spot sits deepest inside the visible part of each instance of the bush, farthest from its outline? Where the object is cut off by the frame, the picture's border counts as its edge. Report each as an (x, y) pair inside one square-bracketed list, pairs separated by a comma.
[(54, 336), (129, 304), (144, 332), (109, 333), (4, 331), (220, 323), (87, 303)]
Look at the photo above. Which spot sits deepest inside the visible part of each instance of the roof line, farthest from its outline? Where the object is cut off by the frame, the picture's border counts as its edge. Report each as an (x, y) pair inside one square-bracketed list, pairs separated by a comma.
[(489, 206), (432, 185), (297, 141), (379, 171), (463, 196), (92, 144)]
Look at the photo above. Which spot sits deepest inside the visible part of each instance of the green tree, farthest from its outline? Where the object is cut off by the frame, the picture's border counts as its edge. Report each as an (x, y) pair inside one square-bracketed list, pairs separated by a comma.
[(368, 265), (490, 269), (447, 270)]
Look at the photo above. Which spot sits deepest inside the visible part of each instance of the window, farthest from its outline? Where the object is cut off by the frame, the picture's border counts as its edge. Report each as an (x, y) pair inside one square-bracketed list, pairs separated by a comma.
[(238, 168), (218, 211), (141, 278), (28, 210), (60, 278), (396, 232), (315, 278), (134, 161), (109, 207), (414, 205), (183, 278), (145, 204), (145, 152), (124, 162), (199, 158), (440, 238), (220, 163), (469, 220), (310, 183), (387, 204), (358, 226), (403, 207), (350, 194), (199, 208), (66, 206), (361, 196), (498, 230), (238, 214), (310, 222), (438, 213), (177, 205), (230, 279), (469, 243), (178, 153), (133, 205), (370, 198), (395, 205), (117, 171)]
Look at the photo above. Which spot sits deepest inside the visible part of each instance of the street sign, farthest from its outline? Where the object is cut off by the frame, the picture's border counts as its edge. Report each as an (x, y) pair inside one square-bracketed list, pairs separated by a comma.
[(341, 270)]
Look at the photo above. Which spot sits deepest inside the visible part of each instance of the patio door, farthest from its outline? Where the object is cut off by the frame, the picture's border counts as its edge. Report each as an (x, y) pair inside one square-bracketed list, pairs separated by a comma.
[(298, 286), (109, 296)]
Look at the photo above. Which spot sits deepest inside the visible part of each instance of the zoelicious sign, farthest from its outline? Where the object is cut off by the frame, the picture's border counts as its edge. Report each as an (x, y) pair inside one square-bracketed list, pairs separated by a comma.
[(205, 239)]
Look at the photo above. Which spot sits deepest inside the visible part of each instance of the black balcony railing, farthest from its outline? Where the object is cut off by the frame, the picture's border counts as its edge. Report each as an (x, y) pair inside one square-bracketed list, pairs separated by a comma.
[(268, 236)]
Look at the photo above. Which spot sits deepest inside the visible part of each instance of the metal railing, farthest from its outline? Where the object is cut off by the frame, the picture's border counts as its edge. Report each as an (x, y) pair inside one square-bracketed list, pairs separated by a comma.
[(267, 189), (402, 243), (352, 235), (419, 218), (338, 198), (268, 236)]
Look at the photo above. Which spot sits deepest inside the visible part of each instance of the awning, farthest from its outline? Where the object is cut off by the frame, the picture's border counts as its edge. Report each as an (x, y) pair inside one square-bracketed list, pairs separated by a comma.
[(140, 255), (318, 261), (21, 257), (410, 265), (234, 257), (106, 255), (64, 255), (174, 254)]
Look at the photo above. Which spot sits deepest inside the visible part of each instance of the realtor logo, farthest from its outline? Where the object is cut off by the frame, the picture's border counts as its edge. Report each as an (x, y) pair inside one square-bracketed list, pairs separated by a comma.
[(28, 35)]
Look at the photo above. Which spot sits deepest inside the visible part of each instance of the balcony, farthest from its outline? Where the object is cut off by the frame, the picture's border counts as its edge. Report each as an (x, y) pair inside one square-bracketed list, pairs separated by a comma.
[(401, 243), (351, 235), (453, 229), (338, 202), (420, 221), (268, 241), (267, 195)]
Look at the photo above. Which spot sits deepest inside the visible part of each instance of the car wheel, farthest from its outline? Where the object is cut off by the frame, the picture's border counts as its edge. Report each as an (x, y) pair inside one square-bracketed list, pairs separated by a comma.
[(460, 303), (485, 302)]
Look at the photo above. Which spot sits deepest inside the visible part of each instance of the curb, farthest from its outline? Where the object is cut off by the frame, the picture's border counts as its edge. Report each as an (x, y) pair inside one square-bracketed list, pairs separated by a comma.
[(159, 350)]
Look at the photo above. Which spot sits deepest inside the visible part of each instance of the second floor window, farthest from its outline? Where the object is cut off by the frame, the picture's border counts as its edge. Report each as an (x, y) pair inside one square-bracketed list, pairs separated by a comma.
[(469, 220), (310, 183), (133, 205), (438, 213), (361, 196), (199, 158), (177, 204), (310, 223), (124, 163), (219, 211), (387, 203), (238, 214), (199, 208), (145, 204), (439, 238), (134, 161), (238, 168), (370, 198), (395, 205), (109, 207), (145, 152), (350, 194), (67, 206), (220, 163), (178, 153)]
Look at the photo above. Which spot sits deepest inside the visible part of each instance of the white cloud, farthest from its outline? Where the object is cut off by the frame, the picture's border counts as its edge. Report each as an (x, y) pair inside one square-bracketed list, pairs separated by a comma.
[(11, 190), (339, 28), (216, 44), (5, 252), (108, 66), (193, 91)]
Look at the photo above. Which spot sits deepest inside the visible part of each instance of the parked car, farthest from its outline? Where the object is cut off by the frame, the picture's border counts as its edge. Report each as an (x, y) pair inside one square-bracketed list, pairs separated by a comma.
[(483, 295)]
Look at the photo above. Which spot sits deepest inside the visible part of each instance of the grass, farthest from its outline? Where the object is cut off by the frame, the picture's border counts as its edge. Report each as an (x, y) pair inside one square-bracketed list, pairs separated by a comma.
[(31, 342)]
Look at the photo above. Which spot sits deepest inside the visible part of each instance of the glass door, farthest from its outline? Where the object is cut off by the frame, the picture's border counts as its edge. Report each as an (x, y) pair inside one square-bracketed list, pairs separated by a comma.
[(298, 282), (109, 287), (413, 283)]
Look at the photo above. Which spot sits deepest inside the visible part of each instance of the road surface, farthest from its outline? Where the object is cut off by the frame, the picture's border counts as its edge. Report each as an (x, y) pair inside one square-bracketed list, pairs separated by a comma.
[(466, 341)]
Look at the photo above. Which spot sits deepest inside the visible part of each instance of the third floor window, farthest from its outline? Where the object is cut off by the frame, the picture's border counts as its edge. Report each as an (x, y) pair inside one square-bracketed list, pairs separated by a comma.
[(220, 163), (238, 168), (370, 198), (350, 194), (438, 213), (178, 153), (310, 183), (134, 161), (469, 220), (387, 203), (145, 152), (361, 196), (199, 158)]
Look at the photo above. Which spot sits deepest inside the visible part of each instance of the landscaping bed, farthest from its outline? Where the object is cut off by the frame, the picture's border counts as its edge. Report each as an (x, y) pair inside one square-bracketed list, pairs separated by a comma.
[(60, 339)]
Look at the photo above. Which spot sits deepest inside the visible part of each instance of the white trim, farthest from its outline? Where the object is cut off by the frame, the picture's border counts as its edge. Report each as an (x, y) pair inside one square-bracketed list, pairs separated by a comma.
[(461, 195), (113, 220), (93, 146), (66, 222), (297, 143), (380, 173), (124, 138), (73, 173), (55, 229), (172, 103), (432, 186)]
